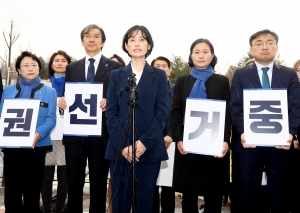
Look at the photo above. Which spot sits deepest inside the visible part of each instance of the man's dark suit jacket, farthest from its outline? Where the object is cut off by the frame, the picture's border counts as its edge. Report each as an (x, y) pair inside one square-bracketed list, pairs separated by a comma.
[(151, 112), (76, 73), (247, 78)]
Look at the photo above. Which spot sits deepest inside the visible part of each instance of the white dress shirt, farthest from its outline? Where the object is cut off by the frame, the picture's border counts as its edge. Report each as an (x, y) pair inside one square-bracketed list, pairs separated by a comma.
[(96, 62), (269, 73), (138, 75)]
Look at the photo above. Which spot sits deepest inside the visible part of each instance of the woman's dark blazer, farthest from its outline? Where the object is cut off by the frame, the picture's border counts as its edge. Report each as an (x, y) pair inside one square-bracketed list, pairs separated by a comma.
[(151, 112), (192, 171)]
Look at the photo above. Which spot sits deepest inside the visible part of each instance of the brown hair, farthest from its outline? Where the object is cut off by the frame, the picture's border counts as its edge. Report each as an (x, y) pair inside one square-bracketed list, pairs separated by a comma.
[(296, 64), (59, 52), (120, 60)]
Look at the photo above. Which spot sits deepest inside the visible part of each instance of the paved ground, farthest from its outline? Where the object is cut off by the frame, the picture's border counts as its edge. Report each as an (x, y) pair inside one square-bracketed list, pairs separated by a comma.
[(86, 197), (86, 200)]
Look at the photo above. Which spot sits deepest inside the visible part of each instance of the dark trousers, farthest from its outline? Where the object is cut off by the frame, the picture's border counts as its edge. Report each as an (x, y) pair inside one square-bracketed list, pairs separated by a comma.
[(212, 199), (167, 200), (235, 197), (76, 156), (24, 170), (251, 168), (62, 188), (292, 197), (236, 194), (146, 175)]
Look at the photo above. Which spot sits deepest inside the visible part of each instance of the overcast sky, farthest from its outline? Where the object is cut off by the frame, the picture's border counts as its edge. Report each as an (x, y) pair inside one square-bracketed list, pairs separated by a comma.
[(46, 26)]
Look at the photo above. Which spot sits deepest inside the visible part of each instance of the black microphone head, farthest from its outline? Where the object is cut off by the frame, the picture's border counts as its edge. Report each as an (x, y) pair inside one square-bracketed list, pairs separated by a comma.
[(121, 90)]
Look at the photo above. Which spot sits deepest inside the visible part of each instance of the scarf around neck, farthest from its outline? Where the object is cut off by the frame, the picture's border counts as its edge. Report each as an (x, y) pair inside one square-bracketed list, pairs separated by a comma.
[(27, 86), (199, 89), (58, 82)]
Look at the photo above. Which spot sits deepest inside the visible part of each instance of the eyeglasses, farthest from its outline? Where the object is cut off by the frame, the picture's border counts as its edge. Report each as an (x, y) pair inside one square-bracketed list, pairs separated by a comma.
[(27, 66), (268, 43)]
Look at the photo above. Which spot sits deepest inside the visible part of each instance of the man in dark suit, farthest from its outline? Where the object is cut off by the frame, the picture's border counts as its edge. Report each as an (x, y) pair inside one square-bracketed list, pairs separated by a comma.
[(263, 73), (167, 197), (79, 149)]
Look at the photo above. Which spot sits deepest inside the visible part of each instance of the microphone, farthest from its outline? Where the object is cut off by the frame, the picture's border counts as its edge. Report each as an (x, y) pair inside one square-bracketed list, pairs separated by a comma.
[(121, 90), (61, 111)]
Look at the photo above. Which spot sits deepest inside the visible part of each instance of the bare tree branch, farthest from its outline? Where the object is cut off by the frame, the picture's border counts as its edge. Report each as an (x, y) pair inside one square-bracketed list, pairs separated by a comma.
[(5, 40), (12, 38), (2, 59), (15, 38)]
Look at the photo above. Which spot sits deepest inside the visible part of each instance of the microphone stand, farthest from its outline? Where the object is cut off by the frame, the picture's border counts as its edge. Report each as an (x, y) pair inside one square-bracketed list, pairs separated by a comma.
[(132, 103)]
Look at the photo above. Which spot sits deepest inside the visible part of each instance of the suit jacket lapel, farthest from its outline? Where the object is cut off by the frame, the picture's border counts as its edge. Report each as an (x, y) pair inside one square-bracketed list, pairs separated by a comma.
[(80, 70), (146, 79), (101, 70), (253, 75), (126, 71), (276, 76)]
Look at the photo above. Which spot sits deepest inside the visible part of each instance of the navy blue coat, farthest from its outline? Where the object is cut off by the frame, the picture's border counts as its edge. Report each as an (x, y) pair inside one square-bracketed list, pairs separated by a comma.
[(247, 77), (151, 112)]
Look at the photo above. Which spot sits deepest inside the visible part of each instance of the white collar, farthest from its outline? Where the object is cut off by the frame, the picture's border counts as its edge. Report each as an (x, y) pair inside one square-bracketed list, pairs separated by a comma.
[(96, 57)]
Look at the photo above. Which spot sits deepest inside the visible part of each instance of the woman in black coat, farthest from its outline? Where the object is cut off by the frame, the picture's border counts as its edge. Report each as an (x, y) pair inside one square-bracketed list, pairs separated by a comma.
[(199, 175)]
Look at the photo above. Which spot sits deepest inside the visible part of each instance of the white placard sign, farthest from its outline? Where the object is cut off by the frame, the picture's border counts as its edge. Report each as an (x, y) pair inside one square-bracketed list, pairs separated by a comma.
[(204, 126), (165, 176), (266, 117), (18, 122), (83, 116), (58, 130)]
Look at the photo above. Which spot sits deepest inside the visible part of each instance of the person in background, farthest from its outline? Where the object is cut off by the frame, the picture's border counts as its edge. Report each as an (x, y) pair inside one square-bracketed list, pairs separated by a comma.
[(56, 72), (117, 58), (151, 114), (297, 68), (195, 174), (293, 172), (23, 167), (167, 194), (249, 62)]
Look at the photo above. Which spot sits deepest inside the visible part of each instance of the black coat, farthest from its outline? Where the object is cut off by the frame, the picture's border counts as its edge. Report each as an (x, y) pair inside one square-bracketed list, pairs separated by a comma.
[(192, 172)]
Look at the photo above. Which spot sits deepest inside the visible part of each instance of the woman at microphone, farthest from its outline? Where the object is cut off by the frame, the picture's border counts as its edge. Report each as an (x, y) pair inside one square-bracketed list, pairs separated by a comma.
[(150, 88)]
